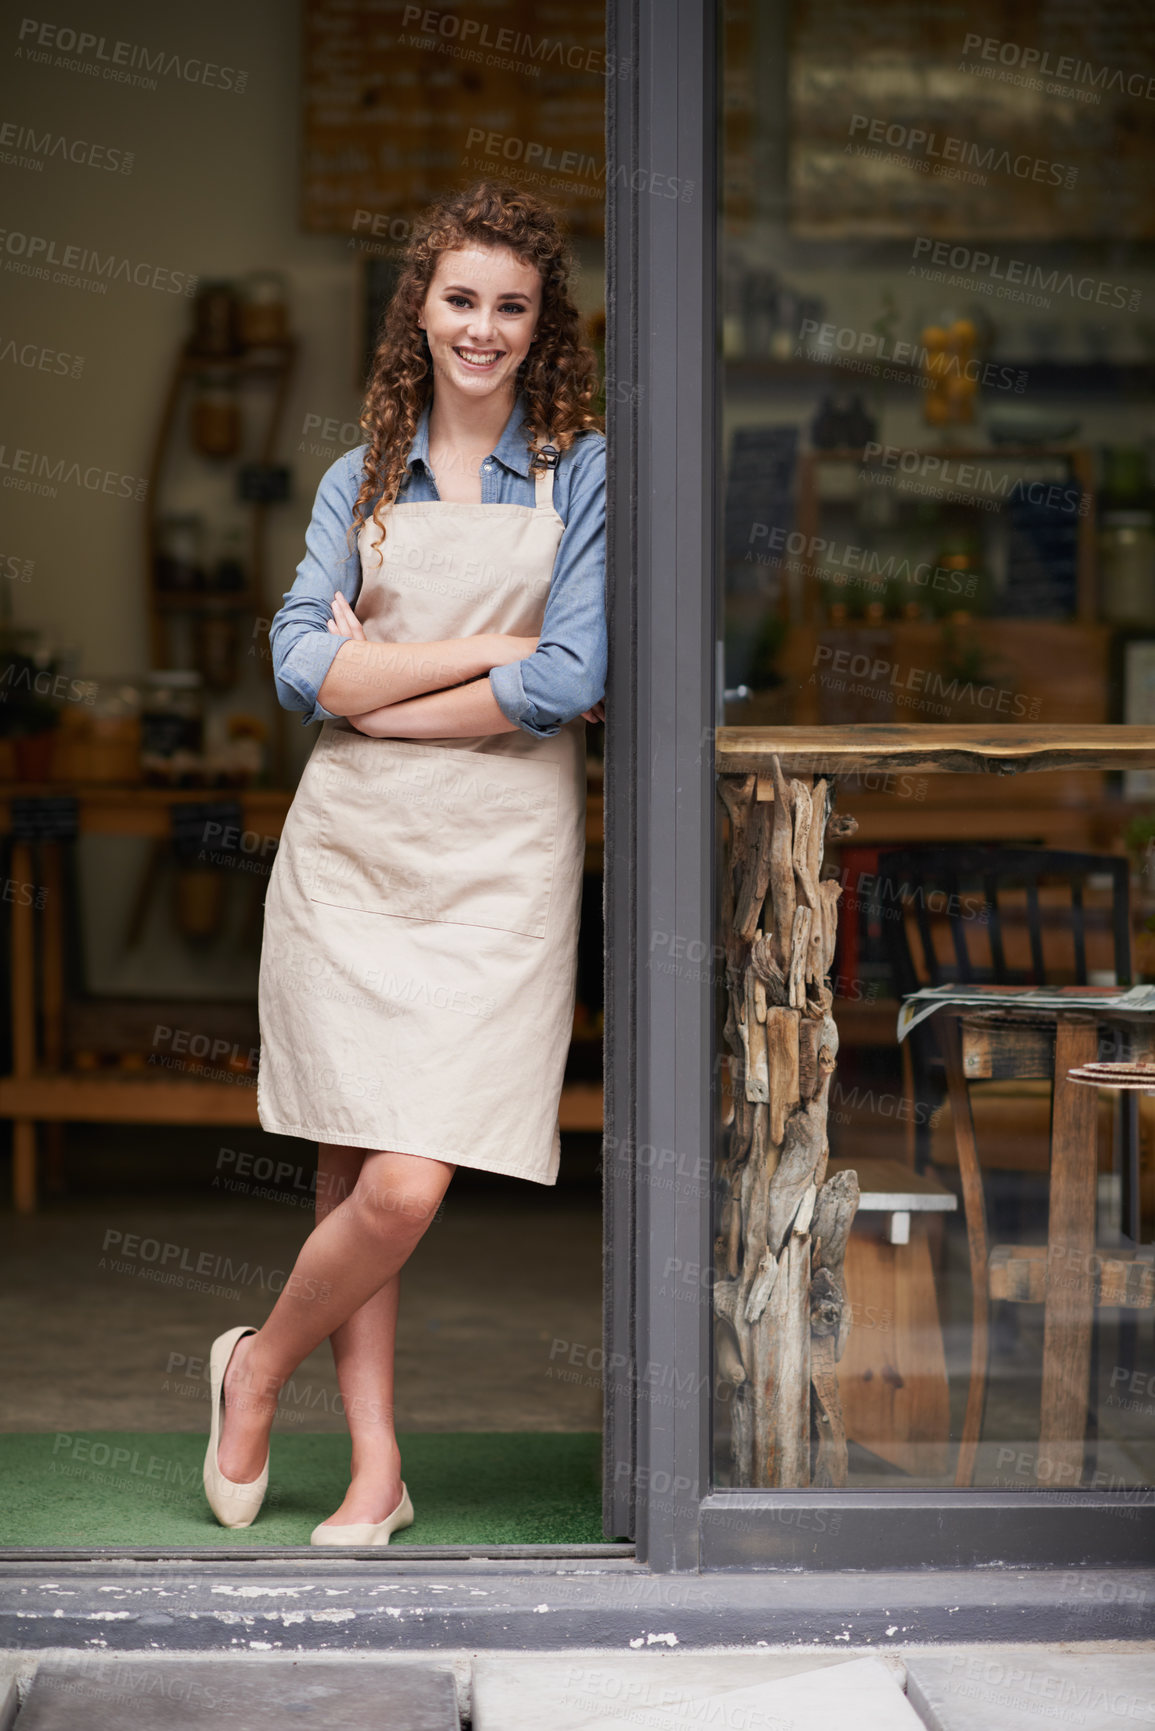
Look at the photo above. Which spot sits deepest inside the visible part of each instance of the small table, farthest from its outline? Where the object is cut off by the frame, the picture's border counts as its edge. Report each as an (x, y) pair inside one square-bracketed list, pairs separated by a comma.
[(1051, 1033)]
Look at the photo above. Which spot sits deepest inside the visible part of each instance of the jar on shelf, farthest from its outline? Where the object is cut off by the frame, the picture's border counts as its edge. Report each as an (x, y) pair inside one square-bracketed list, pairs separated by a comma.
[(1126, 479), (216, 321), (215, 420), (216, 637), (99, 736), (172, 726), (949, 376), (180, 552), (1127, 567), (229, 565), (264, 310)]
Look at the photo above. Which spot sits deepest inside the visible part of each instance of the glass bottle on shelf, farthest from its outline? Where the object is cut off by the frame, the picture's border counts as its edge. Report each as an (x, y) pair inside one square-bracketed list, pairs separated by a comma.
[(216, 638), (172, 726), (960, 587), (215, 420), (180, 552), (228, 570), (733, 297), (264, 313), (1126, 538), (1127, 567), (216, 321), (950, 383)]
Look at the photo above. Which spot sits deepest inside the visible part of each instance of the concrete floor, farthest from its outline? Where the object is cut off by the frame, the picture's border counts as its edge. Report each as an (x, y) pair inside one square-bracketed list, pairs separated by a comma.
[(100, 1332), (1097, 1686)]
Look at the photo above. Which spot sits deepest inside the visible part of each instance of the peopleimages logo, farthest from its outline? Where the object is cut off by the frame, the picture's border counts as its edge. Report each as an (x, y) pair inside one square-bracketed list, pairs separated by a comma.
[(505, 44), (543, 159), (1067, 69), (954, 478), (1017, 271), (16, 138), (121, 62), (33, 254), (28, 471), (937, 152)]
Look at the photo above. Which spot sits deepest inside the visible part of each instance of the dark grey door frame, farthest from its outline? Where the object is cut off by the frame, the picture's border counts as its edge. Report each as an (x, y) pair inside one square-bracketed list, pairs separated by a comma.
[(662, 382), (660, 783)]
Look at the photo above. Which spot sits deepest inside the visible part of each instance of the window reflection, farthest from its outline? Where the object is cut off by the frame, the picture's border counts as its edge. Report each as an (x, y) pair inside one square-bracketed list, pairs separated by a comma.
[(938, 508)]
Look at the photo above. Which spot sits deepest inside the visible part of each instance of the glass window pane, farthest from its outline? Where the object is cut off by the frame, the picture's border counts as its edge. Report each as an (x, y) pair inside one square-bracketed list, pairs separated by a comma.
[(937, 507)]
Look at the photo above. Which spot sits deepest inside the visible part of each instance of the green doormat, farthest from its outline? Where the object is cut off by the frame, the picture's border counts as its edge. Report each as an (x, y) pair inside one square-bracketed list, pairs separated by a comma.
[(144, 1488)]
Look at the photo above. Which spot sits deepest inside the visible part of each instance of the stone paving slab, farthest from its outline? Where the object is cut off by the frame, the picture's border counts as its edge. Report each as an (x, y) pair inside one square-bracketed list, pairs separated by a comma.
[(683, 1691), (106, 1693), (1032, 1689)]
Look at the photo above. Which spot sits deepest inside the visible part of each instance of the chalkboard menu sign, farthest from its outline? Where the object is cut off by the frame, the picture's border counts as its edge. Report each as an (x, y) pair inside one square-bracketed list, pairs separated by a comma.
[(207, 828), (54, 817), (403, 103)]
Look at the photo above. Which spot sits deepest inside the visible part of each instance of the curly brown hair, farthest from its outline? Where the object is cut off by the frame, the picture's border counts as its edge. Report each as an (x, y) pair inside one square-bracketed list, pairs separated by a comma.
[(558, 378)]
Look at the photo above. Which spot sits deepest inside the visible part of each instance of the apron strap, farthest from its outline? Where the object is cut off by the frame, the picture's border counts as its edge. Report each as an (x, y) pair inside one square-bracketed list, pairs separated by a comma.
[(543, 476)]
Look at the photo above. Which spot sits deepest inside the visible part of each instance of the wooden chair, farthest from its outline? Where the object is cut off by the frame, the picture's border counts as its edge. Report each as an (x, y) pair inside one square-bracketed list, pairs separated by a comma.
[(1002, 916)]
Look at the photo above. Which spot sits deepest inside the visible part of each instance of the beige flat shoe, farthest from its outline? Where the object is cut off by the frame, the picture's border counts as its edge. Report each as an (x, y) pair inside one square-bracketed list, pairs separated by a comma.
[(234, 1505), (366, 1533)]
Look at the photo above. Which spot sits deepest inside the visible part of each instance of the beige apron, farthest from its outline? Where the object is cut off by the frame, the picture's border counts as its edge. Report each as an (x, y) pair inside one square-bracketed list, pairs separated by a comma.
[(419, 960)]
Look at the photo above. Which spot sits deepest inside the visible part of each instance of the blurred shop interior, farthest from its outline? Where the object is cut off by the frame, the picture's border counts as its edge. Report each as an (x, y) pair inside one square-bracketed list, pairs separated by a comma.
[(936, 349), (182, 379), (937, 311)]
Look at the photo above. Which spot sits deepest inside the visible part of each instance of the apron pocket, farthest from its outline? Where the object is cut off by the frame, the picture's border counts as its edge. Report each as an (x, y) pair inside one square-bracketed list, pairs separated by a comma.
[(424, 832)]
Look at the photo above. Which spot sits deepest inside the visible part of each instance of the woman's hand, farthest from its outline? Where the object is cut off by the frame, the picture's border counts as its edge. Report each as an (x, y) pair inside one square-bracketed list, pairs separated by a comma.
[(345, 622), (597, 713)]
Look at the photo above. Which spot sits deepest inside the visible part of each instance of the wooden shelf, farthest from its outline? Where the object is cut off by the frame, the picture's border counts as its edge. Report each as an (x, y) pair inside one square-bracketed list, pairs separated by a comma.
[(138, 810), (948, 453), (41, 1088), (270, 369), (205, 601), (70, 1096), (1079, 378), (1079, 458), (135, 809), (581, 1106), (1030, 668), (932, 750), (267, 358), (110, 1097)]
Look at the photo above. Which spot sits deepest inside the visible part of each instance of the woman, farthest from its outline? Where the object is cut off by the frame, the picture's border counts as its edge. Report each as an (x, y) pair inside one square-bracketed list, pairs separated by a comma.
[(419, 960)]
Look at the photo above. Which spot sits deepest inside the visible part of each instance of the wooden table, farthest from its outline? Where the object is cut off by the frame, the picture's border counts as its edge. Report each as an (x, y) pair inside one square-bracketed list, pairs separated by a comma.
[(40, 1087), (1029, 1043), (778, 1292)]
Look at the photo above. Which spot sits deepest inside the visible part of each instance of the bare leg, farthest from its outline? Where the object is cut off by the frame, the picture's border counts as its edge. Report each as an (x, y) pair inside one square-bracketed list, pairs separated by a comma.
[(358, 1247), (363, 1351)]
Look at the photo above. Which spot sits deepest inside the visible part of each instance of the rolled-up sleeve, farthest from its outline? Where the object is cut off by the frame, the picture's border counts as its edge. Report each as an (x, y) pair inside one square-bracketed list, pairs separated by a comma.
[(566, 673), (300, 643)]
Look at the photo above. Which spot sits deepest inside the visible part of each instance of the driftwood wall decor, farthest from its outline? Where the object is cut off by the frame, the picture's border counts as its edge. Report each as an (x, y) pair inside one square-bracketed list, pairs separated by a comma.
[(781, 1318)]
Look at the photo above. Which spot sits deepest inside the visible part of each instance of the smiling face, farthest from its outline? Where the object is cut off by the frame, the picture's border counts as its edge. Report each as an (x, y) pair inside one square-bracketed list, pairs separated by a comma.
[(479, 315)]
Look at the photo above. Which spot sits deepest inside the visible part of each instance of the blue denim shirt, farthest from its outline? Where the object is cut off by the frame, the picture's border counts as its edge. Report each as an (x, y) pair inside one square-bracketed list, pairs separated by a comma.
[(565, 674)]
